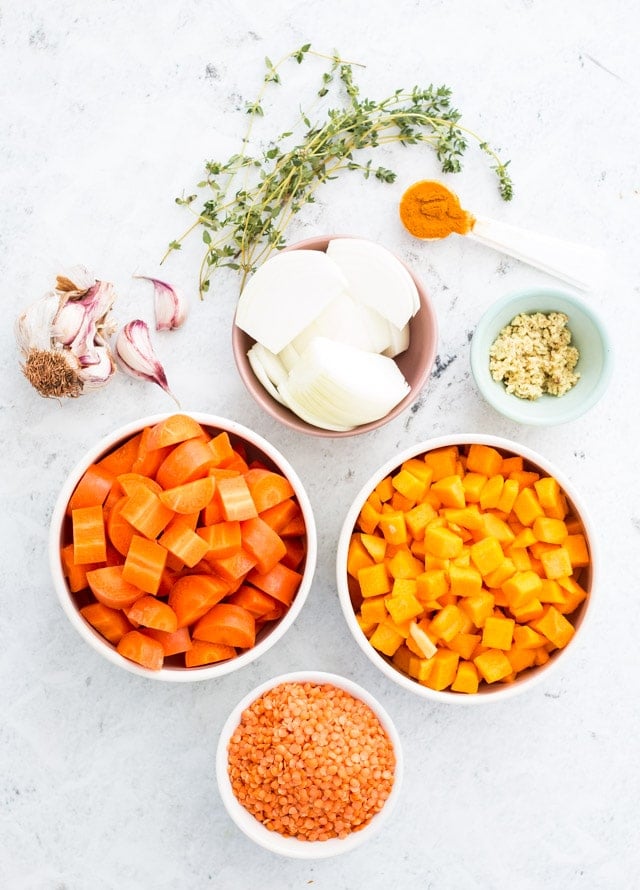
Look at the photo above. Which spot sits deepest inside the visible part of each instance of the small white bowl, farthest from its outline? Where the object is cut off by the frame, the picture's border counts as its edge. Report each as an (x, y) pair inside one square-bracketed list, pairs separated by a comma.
[(290, 846), (527, 679), (588, 336), (259, 448)]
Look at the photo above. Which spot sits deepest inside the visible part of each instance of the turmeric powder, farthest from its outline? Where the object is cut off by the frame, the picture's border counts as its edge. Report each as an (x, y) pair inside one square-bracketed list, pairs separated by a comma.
[(429, 210)]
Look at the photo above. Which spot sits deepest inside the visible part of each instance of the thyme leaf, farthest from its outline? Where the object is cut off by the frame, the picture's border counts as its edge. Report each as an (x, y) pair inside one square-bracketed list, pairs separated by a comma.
[(243, 224)]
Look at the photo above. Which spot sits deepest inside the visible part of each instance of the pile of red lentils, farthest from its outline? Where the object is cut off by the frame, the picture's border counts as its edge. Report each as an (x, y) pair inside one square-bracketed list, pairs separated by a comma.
[(310, 761)]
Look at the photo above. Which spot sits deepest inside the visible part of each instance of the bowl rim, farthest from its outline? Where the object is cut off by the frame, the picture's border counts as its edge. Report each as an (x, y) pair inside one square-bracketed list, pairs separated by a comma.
[(519, 410), (102, 646), (492, 694), (289, 846), (291, 420)]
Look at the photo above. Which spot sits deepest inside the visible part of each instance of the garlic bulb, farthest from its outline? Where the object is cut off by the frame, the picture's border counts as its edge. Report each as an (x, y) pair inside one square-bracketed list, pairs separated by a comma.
[(63, 336), (137, 357)]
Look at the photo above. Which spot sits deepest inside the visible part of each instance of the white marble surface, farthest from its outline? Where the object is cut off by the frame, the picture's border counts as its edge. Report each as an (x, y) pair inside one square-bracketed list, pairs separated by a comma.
[(108, 111)]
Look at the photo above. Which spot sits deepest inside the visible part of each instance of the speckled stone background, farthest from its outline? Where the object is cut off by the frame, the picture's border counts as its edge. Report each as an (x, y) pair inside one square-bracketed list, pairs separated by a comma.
[(108, 111)]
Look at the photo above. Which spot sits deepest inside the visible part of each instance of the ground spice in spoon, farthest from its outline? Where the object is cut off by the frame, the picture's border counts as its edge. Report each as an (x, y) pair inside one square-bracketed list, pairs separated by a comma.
[(429, 210)]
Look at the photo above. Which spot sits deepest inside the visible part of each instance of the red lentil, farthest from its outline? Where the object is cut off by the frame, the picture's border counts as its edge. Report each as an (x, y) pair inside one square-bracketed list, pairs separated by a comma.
[(310, 761)]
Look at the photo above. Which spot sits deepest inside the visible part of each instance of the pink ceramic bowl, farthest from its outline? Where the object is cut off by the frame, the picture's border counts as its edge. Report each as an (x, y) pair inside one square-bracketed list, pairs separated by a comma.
[(415, 363)]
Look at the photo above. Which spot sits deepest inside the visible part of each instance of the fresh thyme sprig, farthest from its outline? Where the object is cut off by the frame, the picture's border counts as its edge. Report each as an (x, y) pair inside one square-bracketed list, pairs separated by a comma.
[(242, 223)]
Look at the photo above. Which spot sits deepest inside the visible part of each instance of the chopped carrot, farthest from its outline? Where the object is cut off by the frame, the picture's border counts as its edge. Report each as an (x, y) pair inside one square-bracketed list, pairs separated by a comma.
[(109, 587), (267, 488), (164, 528), (92, 489), (236, 499), (121, 458), (222, 450), (202, 652), (128, 482), (279, 582), (253, 600), (187, 461), (76, 575), (146, 513), (142, 649), (148, 462), (280, 515), (111, 623), (173, 642), (262, 543), (173, 430), (144, 564), (152, 612), (89, 537), (191, 497), (119, 531), (233, 568), (182, 542), (222, 538), (229, 624), (193, 595)]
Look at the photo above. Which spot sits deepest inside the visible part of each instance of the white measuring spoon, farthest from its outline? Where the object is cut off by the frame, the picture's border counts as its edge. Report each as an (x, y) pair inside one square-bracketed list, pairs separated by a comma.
[(577, 264)]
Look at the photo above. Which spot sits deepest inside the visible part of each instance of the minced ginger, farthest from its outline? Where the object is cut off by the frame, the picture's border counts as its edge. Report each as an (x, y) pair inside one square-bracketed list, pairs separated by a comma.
[(532, 355)]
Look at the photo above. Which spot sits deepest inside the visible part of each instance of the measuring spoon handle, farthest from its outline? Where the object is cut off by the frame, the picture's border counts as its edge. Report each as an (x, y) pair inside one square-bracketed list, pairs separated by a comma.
[(577, 264)]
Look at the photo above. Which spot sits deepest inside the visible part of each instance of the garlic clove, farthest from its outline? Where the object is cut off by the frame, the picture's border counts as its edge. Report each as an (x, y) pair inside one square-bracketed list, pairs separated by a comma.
[(96, 375), (170, 305), (67, 322), (96, 304), (137, 356)]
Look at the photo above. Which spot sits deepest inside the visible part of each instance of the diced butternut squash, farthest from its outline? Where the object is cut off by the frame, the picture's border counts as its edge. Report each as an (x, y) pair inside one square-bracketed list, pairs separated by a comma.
[(467, 564), (467, 679)]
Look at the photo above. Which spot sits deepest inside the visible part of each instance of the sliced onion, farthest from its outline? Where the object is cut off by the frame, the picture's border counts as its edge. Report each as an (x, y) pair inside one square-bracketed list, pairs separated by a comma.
[(259, 370), (376, 278), (344, 385), (286, 294)]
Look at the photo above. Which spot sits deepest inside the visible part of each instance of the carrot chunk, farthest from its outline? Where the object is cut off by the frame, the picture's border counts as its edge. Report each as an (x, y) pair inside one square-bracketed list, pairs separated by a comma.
[(89, 536), (228, 624), (142, 649)]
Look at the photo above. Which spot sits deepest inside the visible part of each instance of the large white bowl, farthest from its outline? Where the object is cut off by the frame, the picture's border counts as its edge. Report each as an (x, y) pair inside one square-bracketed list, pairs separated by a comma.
[(527, 679), (260, 448), (290, 846)]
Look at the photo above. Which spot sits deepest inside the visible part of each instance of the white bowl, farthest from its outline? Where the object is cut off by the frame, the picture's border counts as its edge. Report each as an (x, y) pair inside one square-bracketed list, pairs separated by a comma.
[(486, 693), (259, 447), (290, 846)]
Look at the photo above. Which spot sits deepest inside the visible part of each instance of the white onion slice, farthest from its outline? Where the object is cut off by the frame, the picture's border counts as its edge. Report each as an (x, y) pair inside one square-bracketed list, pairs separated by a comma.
[(344, 385), (285, 294), (399, 340), (258, 369), (376, 278)]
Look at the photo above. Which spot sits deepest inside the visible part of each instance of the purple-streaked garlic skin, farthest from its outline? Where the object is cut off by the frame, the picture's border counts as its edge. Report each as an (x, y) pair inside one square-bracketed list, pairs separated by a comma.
[(170, 305), (136, 354)]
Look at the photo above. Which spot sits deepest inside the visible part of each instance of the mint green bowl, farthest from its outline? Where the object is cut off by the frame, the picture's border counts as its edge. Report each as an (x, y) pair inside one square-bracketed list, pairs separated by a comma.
[(588, 336)]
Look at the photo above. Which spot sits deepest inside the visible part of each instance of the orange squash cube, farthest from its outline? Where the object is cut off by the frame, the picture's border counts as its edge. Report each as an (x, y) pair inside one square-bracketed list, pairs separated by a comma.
[(554, 626), (444, 666), (467, 679), (497, 633), (374, 580), (493, 665), (487, 554)]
